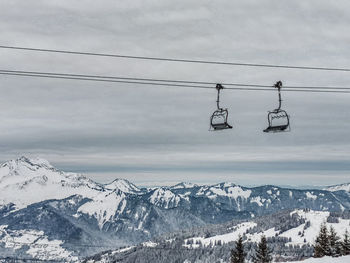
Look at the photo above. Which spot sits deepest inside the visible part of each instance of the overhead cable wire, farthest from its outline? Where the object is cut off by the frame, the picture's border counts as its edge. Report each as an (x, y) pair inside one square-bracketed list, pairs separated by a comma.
[(169, 84), (242, 87), (168, 80), (137, 79), (213, 62), (106, 80)]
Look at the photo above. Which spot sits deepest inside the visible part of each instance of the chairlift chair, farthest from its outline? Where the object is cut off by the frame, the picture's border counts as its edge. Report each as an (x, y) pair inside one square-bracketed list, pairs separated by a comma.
[(278, 119), (218, 120)]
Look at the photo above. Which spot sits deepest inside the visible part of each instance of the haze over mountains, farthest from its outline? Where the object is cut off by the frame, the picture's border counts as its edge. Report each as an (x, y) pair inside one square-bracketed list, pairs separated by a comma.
[(77, 216)]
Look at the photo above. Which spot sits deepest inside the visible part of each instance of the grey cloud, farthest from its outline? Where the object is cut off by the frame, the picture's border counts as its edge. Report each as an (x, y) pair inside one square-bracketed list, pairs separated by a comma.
[(76, 123)]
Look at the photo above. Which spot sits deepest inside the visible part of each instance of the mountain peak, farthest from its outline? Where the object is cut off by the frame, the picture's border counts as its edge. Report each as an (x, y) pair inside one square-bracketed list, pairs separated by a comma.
[(122, 185), (33, 164), (35, 161), (25, 181)]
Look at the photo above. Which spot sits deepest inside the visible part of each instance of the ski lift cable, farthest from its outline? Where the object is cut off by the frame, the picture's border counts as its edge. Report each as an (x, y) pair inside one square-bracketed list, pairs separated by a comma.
[(71, 52), (169, 83), (137, 79)]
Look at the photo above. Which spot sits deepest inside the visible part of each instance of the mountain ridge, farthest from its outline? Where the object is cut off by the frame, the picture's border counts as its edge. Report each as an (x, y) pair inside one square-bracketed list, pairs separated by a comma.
[(122, 213)]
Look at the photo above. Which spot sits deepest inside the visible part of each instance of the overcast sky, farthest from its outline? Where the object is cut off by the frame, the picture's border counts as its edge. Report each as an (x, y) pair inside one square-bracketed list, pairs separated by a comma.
[(154, 135)]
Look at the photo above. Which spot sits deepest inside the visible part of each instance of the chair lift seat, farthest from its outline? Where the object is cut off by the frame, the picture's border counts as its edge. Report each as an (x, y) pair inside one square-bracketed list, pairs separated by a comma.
[(276, 128), (278, 119), (218, 120), (221, 126)]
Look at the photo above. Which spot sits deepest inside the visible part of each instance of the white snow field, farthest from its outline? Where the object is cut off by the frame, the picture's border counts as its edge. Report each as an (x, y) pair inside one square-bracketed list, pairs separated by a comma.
[(299, 235), (345, 259), (40, 246)]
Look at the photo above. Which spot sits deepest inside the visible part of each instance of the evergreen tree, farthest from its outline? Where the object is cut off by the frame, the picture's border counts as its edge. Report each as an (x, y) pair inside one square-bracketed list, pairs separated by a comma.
[(322, 247), (263, 253), (346, 244), (334, 243), (237, 254)]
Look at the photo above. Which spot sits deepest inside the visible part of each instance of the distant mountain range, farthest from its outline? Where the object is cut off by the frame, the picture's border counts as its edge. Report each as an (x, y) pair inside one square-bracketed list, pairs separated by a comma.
[(47, 213)]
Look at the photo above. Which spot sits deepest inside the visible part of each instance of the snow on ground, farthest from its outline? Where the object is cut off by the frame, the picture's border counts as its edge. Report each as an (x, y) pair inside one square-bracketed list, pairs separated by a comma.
[(232, 191), (257, 236), (149, 244), (316, 218), (164, 198), (345, 259), (46, 249), (299, 235), (340, 187), (26, 181), (226, 238), (227, 190), (106, 257), (257, 200), (311, 196), (104, 206), (123, 186), (39, 245), (183, 185)]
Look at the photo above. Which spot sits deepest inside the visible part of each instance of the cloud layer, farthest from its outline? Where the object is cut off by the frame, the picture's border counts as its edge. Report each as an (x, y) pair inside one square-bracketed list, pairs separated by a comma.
[(111, 130)]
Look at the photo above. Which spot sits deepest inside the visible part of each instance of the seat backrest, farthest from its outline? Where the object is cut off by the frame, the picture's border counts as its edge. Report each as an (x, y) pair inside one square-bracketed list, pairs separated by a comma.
[(279, 118)]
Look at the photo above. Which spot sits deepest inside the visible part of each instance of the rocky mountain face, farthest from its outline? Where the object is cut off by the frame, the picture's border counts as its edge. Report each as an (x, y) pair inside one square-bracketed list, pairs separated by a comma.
[(67, 212)]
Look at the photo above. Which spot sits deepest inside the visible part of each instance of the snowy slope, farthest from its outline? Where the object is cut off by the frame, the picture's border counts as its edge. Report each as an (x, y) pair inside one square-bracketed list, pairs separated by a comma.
[(340, 187), (104, 206), (26, 181), (345, 259), (183, 185), (164, 198), (224, 238), (124, 186), (41, 246), (224, 190), (304, 233), (316, 218)]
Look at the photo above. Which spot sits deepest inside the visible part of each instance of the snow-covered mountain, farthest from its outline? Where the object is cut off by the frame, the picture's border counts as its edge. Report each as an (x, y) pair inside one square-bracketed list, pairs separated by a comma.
[(27, 181), (41, 204)]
